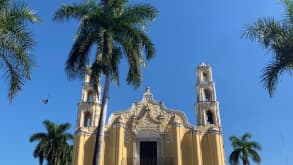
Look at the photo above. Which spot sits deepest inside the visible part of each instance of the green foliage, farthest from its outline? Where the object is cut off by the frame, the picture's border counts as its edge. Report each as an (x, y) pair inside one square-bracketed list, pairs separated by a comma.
[(53, 144), (277, 37), (243, 149), (15, 44), (117, 30)]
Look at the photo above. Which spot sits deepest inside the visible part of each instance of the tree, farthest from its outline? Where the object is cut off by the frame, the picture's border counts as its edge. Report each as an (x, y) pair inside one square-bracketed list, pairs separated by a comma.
[(15, 44), (53, 145), (277, 37), (243, 150), (116, 30)]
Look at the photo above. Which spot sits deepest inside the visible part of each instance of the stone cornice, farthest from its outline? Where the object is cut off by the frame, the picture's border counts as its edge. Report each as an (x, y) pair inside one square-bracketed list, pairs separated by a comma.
[(84, 131), (214, 130)]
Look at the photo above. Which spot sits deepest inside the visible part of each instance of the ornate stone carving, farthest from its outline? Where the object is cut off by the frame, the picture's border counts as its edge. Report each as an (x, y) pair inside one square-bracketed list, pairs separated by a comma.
[(168, 138), (120, 122), (128, 135), (148, 96), (148, 115), (147, 133), (147, 122)]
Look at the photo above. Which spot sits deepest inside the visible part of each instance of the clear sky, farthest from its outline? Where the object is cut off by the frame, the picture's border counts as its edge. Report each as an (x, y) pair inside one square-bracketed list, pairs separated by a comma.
[(186, 33)]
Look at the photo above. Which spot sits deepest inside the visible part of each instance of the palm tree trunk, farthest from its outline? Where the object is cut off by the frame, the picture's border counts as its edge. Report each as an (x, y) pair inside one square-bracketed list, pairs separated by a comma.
[(245, 162), (101, 125)]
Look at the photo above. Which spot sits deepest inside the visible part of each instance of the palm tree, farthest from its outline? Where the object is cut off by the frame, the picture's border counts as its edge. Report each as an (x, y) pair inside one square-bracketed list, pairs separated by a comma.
[(53, 145), (15, 44), (243, 150), (277, 37), (68, 155), (116, 30)]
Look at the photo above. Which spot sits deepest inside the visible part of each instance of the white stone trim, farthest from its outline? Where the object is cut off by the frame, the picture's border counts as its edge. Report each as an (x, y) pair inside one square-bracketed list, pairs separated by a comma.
[(151, 138)]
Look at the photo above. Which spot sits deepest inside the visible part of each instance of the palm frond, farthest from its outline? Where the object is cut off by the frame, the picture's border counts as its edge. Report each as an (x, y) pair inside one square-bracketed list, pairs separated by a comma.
[(277, 37), (136, 36), (135, 61), (96, 72), (289, 5), (13, 75), (245, 137), (254, 155), (236, 142), (265, 31), (4, 4), (50, 126), (234, 157), (68, 136), (139, 14), (115, 7), (75, 11), (79, 54), (271, 75), (15, 43), (37, 136), (254, 145), (105, 42), (22, 13), (116, 57), (134, 73), (147, 45), (63, 127)]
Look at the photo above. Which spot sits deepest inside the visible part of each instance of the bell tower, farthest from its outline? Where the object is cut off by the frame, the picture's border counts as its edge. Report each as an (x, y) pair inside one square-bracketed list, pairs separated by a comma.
[(87, 121), (207, 106), (208, 117), (88, 108)]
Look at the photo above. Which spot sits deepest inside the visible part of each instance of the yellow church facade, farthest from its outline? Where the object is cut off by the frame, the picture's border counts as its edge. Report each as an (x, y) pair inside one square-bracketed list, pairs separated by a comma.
[(151, 134)]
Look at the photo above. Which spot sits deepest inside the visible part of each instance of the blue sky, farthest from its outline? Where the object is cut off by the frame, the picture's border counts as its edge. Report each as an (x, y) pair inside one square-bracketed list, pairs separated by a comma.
[(186, 33)]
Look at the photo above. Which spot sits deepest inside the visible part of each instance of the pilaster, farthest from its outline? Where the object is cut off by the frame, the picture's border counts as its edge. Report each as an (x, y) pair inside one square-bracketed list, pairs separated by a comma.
[(177, 133), (196, 143), (217, 140), (119, 141)]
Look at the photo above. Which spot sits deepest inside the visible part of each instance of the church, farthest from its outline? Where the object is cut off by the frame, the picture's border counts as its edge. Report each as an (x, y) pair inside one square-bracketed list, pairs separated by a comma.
[(148, 133)]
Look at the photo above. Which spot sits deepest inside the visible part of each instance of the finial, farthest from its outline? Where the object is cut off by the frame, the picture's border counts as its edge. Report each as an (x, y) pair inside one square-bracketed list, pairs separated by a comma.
[(147, 94), (119, 122), (148, 89), (202, 64), (119, 119)]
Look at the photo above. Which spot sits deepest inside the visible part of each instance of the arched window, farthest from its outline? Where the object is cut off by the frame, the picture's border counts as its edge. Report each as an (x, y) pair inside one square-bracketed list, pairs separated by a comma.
[(205, 76), (210, 118), (87, 119), (207, 95), (90, 96)]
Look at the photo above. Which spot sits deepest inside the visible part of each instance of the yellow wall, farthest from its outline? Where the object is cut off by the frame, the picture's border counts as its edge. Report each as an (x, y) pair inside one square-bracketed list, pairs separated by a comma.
[(83, 149), (178, 143), (180, 146)]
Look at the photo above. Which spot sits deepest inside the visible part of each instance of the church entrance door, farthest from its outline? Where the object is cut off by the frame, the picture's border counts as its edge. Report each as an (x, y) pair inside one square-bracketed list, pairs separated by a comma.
[(148, 153)]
